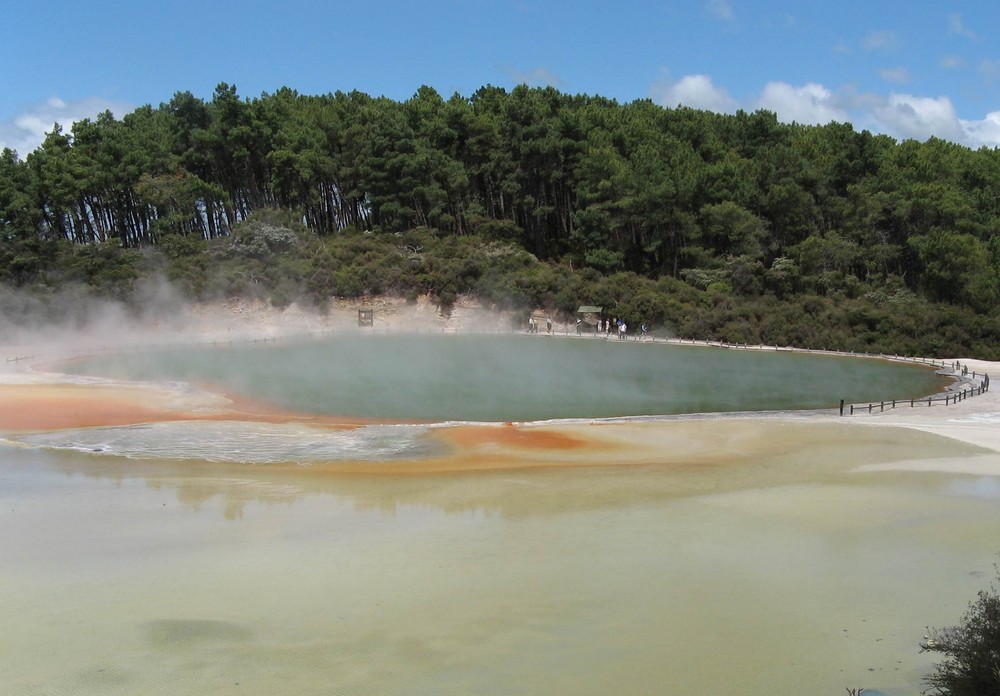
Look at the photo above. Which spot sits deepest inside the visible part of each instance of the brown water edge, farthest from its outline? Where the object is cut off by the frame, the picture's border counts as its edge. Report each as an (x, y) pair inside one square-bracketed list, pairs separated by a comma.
[(709, 441)]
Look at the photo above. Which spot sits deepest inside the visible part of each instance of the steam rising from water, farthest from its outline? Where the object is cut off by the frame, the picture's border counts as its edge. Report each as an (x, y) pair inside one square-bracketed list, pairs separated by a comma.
[(73, 320), (401, 377), (425, 379), (73, 316), (520, 378)]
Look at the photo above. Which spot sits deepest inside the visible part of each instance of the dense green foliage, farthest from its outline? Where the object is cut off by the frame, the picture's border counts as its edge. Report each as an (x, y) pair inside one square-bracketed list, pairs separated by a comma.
[(714, 226), (971, 649)]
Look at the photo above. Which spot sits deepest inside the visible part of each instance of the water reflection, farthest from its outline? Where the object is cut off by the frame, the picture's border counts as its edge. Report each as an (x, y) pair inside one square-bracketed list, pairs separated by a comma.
[(176, 633), (985, 487), (716, 457), (757, 559)]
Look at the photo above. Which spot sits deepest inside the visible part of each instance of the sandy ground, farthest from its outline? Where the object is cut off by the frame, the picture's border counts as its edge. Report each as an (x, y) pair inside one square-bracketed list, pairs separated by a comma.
[(33, 399), (975, 420)]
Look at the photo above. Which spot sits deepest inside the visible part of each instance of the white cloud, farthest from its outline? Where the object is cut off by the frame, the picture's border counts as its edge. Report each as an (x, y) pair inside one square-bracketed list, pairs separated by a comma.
[(790, 22), (811, 104), (990, 70), (896, 75), (695, 91), (26, 131), (842, 48), (951, 62), (985, 132), (720, 9), (955, 26), (906, 116), (902, 116), (880, 41)]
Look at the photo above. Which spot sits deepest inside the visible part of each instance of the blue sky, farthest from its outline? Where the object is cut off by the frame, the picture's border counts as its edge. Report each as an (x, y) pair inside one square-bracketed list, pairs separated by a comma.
[(909, 69)]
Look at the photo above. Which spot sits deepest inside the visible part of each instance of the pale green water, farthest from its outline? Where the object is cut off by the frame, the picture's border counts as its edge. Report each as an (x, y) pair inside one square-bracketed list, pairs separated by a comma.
[(786, 573), (500, 378)]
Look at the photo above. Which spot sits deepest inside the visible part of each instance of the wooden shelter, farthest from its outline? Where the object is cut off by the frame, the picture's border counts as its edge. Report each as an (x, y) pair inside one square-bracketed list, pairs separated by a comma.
[(588, 315)]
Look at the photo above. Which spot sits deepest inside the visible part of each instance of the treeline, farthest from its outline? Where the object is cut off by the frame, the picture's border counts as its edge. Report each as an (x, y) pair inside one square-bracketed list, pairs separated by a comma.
[(739, 208)]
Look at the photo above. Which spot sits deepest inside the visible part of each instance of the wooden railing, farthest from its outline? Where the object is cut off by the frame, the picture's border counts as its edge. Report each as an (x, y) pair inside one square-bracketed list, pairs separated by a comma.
[(948, 398)]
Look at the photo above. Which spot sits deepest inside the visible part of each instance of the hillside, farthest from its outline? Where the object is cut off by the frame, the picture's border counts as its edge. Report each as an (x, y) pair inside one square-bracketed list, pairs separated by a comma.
[(726, 227)]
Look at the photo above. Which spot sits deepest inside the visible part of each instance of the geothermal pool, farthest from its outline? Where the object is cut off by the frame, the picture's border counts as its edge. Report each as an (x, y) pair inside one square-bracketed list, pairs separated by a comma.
[(736, 556), (520, 378)]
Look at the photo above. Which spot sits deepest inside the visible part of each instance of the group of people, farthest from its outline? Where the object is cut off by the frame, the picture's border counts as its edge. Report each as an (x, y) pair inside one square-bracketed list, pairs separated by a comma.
[(616, 325), (610, 327), (533, 325)]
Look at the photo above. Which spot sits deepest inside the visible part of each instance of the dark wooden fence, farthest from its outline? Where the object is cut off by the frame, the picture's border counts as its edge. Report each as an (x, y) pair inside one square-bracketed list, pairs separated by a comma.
[(967, 385)]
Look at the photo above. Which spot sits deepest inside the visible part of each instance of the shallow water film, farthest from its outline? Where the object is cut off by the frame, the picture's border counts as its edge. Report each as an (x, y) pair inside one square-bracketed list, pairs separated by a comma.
[(750, 556), (779, 570)]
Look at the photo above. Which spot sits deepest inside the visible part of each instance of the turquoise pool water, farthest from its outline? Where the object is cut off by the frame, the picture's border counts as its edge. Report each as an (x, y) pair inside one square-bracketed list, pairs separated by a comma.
[(520, 378)]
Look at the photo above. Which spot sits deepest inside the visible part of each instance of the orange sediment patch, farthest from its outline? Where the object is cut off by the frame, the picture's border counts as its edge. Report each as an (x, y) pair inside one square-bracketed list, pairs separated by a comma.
[(59, 406), (510, 435), (45, 406), (511, 447), (41, 406), (685, 444), (499, 447)]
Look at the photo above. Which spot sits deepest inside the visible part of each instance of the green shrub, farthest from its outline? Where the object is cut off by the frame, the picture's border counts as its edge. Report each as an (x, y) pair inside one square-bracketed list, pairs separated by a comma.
[(972, 650)]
